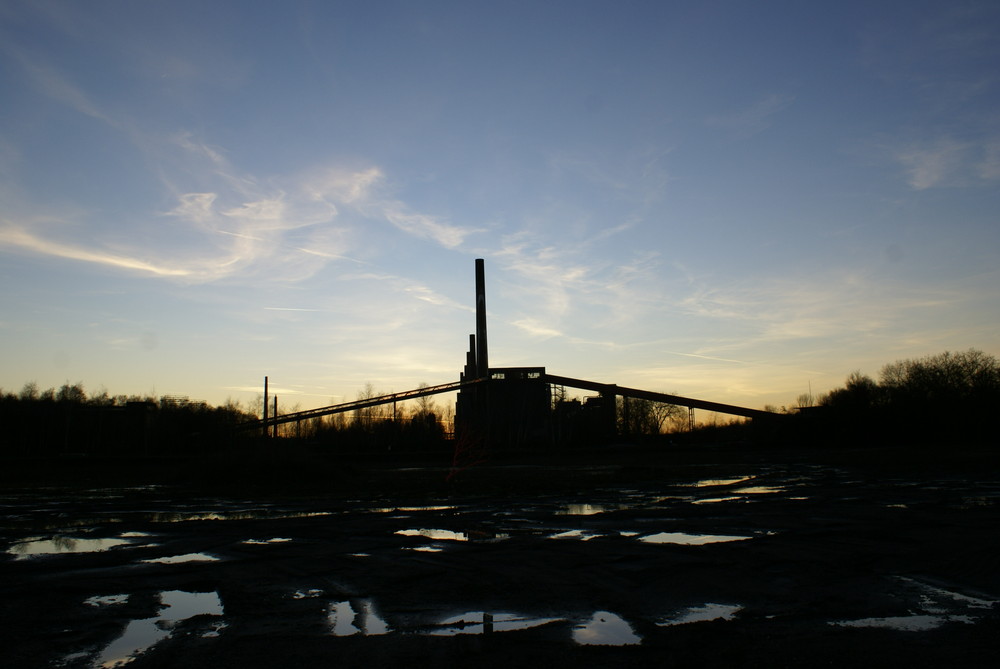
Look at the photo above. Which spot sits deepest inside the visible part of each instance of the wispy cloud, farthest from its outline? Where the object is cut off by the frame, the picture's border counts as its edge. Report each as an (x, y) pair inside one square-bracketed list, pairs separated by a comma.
[(846, 308), (936, 163), (12, 235), (753, 118), (237, 225), (50, 82), (536, 329)]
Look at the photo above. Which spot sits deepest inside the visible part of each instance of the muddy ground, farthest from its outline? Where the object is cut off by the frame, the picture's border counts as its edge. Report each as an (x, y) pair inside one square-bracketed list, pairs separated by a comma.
[(701, 559)]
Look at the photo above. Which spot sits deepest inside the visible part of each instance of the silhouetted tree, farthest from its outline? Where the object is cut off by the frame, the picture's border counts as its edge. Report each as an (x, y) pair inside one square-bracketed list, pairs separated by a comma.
[(950, 395)]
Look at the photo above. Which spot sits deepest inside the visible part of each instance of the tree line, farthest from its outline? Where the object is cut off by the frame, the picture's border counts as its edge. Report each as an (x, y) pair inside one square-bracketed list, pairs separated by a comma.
[(66, 421), (952, 395)]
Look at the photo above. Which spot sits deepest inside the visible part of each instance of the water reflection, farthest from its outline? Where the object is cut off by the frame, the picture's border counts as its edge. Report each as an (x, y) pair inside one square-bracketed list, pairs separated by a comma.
[(180, 559), (409, 509), (689, 539), (935, 607), (436, 535), (307, 594), (708, 483), (140, 635), (264, 542), (245, 514), (582, 535), (759, 490), (605, 629), (587, 509), (914, 623), (57, 545), (703, 613), (106, 600), (345, 621), (451, 535), (481, 622)]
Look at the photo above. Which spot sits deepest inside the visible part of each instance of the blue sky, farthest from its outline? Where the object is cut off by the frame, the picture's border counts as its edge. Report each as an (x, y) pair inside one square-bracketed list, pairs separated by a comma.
[(734, 201)]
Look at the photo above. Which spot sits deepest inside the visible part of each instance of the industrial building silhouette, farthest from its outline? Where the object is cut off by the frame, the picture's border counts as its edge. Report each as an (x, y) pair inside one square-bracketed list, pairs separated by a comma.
[(512, 406)]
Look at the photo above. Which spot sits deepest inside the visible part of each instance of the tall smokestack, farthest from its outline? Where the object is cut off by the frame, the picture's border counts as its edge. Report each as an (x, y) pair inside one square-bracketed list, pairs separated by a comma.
[(482, 357)]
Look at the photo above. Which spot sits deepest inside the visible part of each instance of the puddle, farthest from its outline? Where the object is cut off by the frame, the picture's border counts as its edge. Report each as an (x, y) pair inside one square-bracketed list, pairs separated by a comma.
[(307, 594), (423, 549), (759, 490), (690, 539), (697, 614), (251, 514), (936, 606), (345, 621), (716, 500), (582, 535), (708, 483), (605, 629), (914, 623), (261, 542), (481, 622), (181, 559), (435, 535), (64, 545), (450, 535), (409, 509), (106, 600), (589, 509), (140, 635)]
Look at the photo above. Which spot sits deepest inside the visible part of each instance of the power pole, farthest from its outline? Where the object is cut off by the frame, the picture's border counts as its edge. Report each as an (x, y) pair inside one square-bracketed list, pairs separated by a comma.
[(264, 422)]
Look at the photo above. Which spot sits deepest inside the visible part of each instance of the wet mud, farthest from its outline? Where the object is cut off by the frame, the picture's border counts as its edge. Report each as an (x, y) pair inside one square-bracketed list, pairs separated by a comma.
[(602, 564)]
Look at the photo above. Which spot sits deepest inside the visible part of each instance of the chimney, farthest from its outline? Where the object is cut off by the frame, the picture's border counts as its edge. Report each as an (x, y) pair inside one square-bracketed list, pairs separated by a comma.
[(482, 357)]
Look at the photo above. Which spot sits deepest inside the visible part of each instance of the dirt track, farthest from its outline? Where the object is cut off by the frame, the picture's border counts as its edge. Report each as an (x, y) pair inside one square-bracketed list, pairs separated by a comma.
[(600, 564)]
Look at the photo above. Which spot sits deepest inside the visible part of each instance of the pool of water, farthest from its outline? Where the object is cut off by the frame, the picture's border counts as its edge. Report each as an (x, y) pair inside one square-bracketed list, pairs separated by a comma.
[(690, 539), (605, 629), (140, 635), (67, 545)]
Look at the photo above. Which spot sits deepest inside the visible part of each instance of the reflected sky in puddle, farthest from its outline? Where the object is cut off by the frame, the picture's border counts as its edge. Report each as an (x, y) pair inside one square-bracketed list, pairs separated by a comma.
[(605, 629), (708, 483), (759, 490), (409, 509), (582, 535), (345, 621), (140, 635), (588, 509), (307, 594), (716, 500), (246, 514), (106, 600), (689, 539), (936, 606), (451, 535), (66, 545), (481, 622), (181, 559), (914, 623), (435, 535), (706, 612), (264, 542)]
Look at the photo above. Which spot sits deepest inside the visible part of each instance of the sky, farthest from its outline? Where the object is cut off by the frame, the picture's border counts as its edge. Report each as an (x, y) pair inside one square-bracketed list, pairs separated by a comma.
[(734, 201)]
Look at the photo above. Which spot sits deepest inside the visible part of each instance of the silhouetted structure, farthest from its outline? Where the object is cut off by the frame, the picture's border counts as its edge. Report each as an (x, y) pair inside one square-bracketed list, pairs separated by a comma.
[(512, 406)]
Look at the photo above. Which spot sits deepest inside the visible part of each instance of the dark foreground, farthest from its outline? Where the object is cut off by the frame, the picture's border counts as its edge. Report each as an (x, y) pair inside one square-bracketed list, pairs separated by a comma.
[(639, 560)]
